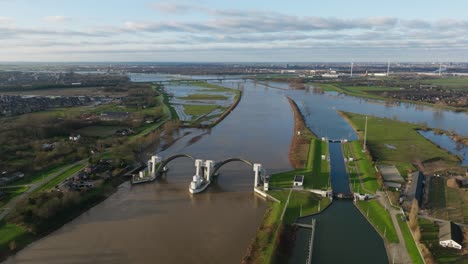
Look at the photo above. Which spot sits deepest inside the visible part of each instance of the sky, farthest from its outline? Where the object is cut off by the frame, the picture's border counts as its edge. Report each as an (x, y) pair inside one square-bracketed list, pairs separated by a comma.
[(233, 31)]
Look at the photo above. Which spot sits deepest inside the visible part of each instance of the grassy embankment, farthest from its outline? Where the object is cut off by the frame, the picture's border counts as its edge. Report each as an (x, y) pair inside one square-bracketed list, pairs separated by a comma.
[(22, 184), (411, 245), (17, 237), (379, 218), (430, 238), (305, 151), (370, 91), (398, 143), (61, 177), (362, 168), (316, 172), (359, 91), (405, 148)]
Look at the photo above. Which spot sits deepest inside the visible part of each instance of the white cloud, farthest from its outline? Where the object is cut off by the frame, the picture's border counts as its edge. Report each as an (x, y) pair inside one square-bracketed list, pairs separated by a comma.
[(5, 20), (56, 19), (174, 8), (235, 30)]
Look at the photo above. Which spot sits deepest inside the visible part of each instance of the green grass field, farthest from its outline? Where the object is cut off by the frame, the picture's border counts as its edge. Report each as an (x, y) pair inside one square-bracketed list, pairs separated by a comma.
[(326, 87), (38, 176), (60, 178), (265, 241), (380, 219), (98, 131), (212, 87), (366, 169), (12, 237), (437, 193), (197, 110), (364, 91), (446, 82), (404, 145), (8, 232), (11, 193), (411, 246), (316, 174), (301, 203), (446, 202), (204, 97)]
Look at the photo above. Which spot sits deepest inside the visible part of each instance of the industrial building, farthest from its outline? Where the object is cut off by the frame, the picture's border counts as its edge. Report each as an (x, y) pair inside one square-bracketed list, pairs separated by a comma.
[(415, 190), (450, 235)]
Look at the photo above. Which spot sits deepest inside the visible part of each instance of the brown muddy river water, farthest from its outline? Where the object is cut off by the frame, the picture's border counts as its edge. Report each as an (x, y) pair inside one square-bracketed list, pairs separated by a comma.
[(161, 222)]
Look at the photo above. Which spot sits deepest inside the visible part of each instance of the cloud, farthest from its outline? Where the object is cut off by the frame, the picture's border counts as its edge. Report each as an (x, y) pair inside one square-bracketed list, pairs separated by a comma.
[(235, 30), (56, 19), (174, 8), (5, 20)]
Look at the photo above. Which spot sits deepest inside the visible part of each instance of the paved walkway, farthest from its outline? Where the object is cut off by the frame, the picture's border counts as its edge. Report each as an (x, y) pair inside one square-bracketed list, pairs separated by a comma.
[(397, 251), (12, 203)]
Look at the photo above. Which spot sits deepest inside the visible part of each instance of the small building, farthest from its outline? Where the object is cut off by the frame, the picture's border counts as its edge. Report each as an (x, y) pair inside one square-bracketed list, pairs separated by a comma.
[(6, 178), (124, 132), (298, 181), (48, 146), (390, 173), (462, 183), (74, 137), (415, 191), (450, 235)]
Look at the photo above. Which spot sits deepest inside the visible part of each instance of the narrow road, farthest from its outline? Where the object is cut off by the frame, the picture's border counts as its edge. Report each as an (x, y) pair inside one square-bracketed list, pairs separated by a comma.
[(12, 203), (398, 251)]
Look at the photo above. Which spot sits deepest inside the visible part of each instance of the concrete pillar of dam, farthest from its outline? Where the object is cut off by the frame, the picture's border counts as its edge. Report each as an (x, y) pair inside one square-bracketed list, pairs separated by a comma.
[(257, 168), (209, 165), (198, 166), (152, 164)]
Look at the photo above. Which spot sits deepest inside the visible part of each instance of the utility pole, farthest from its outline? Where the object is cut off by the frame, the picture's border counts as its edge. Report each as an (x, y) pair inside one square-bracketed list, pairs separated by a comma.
[(365, 137)]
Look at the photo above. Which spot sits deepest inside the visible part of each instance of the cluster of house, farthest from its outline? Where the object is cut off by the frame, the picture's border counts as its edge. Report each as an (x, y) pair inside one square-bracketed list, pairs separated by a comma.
[(11, 105), (450, 234), (83, 180)]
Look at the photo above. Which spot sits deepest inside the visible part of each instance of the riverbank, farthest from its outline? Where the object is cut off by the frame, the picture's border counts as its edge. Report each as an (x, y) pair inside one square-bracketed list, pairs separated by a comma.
[(229, 110), (305, 154), (302, 137), (45, 210), (21, 236), (404, 147), (353, 91)]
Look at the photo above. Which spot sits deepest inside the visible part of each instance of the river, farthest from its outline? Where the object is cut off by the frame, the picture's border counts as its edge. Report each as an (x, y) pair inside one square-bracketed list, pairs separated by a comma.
[(161, 222)]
